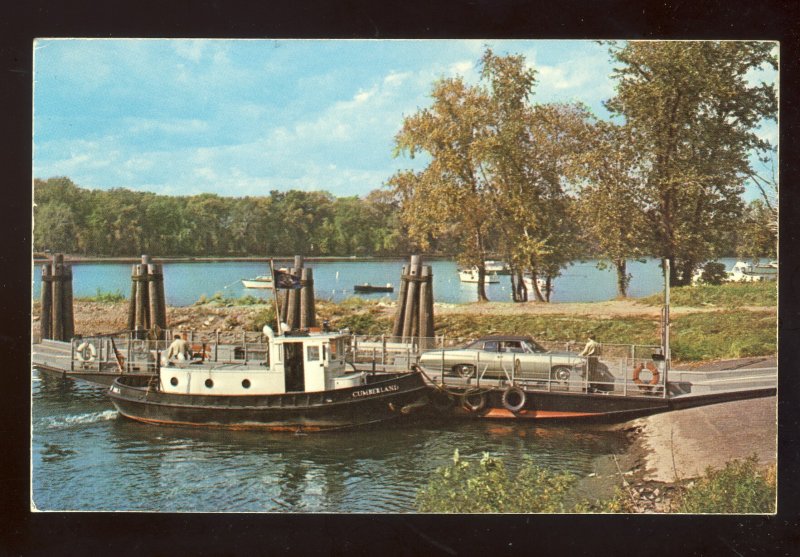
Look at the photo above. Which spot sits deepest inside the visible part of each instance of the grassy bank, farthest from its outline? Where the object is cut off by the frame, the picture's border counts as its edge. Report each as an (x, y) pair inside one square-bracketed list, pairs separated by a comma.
[(486, 486), (728, 295), (694, 336)]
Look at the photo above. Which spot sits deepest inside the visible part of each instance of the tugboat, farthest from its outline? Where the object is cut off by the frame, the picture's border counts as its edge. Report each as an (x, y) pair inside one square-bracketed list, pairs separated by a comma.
[(302, 383)]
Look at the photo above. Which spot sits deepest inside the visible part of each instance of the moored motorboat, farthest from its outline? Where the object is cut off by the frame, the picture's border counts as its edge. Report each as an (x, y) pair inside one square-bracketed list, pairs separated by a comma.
[(259, 282), (301, 383), (370, 288), (497, 267), (743, 272), (471, 275)]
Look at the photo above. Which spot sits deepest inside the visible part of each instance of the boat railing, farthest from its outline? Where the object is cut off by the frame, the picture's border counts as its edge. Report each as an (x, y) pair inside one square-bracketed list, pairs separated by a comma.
[(128, 354), (603, 375)]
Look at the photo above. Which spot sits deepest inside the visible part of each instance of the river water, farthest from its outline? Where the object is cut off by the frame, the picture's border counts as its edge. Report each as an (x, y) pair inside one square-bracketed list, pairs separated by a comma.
[(185, 283), (85, 457)]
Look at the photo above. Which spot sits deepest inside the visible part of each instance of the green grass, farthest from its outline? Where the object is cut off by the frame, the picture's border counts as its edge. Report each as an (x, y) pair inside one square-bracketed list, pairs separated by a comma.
[(738, 488), (728, 295), (103, 296), (219, 299), (632, 330), (723, 334)]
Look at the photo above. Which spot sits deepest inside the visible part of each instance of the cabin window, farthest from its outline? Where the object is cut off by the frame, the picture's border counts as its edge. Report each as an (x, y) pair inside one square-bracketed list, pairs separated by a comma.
[(174, 381), (246, 383), (333, 349), (313, 353), (324, 352), (209, 383)]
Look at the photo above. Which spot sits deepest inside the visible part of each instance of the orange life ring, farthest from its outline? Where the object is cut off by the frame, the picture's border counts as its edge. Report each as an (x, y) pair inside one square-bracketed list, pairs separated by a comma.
[(651, 367)]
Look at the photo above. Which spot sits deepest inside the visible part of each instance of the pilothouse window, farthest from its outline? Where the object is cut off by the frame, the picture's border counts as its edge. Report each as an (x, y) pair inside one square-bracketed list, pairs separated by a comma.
[(313, 354)]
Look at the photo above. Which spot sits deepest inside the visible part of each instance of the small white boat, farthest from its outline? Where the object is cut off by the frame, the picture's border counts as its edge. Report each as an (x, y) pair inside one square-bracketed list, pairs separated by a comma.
[(471, 275), (261, 281), (497, 267), (742, 272), (540, 281)]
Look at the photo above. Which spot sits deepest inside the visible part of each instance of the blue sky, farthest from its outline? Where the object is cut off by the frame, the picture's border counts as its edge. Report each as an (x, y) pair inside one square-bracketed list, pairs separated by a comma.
[(243, 117)]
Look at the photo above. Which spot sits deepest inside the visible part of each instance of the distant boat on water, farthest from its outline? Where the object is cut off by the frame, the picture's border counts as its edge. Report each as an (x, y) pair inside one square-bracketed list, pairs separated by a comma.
[(471, 275), (744, 272), (368, 288), (497, 267), (260, 282), (539, 281)]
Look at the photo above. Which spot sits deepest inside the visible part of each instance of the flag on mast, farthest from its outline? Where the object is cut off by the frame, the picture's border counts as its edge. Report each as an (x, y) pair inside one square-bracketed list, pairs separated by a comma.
[(284, 279)]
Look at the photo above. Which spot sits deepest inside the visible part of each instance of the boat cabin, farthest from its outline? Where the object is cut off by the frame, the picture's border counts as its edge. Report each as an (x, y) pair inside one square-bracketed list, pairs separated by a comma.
[(299, 363)]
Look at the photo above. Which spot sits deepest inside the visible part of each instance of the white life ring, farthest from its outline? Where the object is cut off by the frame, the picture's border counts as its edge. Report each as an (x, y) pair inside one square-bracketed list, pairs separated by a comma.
[(86, 352)]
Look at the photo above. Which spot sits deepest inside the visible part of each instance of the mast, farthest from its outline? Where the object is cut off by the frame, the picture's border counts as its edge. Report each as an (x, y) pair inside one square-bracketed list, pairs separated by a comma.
[(275, 296)]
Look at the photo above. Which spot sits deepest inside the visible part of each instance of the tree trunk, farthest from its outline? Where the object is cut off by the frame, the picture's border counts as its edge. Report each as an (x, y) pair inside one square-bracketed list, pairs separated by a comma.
[(622, 277), (482, 283), (523, 290), (535, 285)]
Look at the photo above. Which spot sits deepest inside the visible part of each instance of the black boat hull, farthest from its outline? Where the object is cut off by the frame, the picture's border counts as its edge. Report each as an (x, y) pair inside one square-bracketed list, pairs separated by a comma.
[(594, 407), (385, 397)]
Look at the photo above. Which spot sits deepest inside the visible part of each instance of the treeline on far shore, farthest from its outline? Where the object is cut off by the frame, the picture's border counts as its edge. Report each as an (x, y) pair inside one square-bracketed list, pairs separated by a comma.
[(122, 223)]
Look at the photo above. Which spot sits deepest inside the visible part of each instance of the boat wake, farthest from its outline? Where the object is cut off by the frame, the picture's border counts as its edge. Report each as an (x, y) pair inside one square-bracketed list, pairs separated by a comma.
[(65, 422)]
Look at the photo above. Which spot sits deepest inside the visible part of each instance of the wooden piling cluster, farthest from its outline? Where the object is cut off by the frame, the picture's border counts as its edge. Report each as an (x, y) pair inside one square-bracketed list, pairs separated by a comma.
[(147, 309), (414, 315), (57, 320), (296, 306)]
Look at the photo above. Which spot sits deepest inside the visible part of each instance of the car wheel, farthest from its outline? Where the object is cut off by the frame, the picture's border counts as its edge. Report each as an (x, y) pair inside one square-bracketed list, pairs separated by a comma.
[(464, 371), (560, 373)]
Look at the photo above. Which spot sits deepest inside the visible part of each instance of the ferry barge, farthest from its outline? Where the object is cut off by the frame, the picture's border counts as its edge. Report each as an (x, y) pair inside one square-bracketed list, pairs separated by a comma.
[(302, 383)]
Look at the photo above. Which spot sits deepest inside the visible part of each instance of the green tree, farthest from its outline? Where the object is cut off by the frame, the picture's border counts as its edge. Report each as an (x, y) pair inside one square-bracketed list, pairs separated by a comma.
[(692, 113), (450, 194), (612, 205), (757, 235), (526, 149)]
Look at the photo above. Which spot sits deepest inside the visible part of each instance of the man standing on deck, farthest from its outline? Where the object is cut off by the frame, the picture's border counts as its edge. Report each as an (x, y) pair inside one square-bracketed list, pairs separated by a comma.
[(179, 349), (590, 352)]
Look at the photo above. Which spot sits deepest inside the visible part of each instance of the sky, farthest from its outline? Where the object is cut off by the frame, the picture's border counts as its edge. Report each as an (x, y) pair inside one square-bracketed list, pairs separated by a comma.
[(244, 117)]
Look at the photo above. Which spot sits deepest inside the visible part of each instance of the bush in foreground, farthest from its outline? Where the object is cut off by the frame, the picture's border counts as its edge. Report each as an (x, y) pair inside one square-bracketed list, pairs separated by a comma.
[(738, 488), (486, 487)]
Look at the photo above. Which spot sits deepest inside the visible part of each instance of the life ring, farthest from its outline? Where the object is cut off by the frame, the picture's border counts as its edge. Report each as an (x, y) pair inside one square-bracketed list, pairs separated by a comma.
[(508, 399), (474, 402), (650, 366), (86, 352)]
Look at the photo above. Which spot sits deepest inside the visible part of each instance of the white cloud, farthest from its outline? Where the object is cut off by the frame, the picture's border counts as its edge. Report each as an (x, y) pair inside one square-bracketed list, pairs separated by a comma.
[(189, 50)]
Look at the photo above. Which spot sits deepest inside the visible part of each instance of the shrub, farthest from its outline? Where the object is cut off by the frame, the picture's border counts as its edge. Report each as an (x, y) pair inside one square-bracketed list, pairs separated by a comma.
[(713, 273), (739, 488), (106, 297), (487, 487)]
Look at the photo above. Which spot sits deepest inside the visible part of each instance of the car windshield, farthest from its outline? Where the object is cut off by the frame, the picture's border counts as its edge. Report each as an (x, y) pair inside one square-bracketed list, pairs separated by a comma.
[(531, 346)]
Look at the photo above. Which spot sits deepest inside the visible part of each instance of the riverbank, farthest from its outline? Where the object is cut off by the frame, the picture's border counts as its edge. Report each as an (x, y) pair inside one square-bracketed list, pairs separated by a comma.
[(671, 450)]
